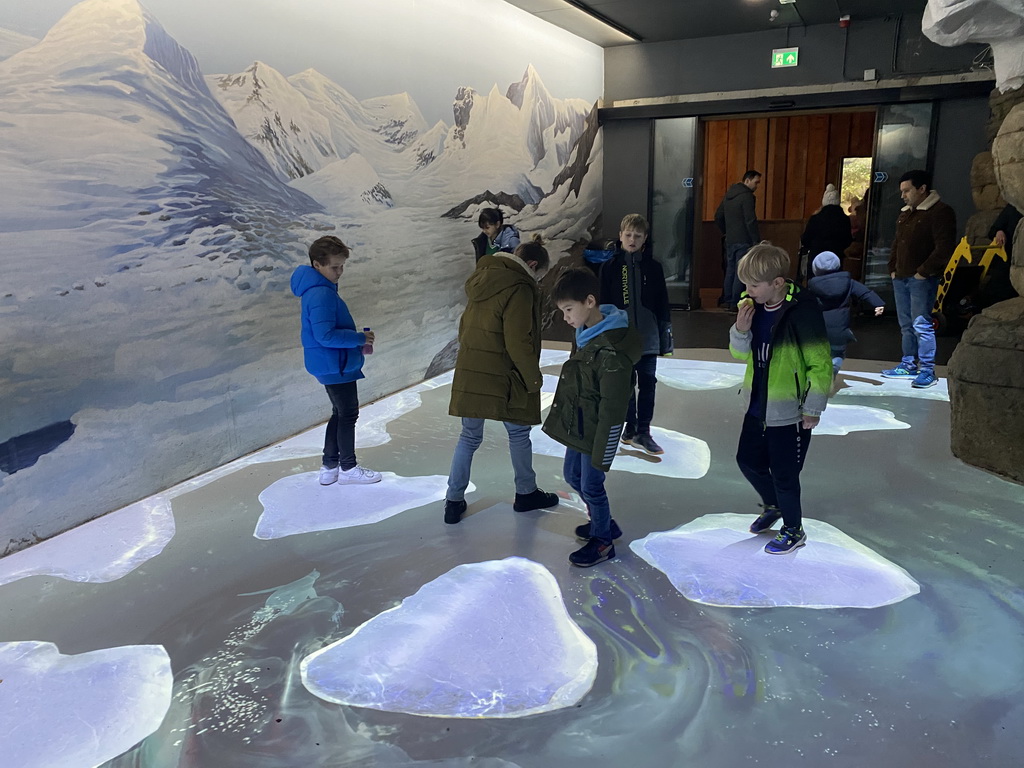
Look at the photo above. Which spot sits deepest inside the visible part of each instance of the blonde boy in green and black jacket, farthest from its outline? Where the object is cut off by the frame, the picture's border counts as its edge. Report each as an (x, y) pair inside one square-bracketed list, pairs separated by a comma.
[(590, 403), (780, 332)]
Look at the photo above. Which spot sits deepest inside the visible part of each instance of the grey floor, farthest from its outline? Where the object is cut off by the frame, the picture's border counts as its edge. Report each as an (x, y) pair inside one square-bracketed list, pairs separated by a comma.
[(935, 680)]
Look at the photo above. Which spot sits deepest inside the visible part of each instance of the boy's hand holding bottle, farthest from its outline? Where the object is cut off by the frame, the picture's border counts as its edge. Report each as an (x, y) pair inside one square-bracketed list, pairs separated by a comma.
[(370, 337)]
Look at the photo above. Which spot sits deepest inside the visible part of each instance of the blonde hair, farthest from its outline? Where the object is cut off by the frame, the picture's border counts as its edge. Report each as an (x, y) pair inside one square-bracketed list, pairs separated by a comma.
[(635, 222), (763, 263)]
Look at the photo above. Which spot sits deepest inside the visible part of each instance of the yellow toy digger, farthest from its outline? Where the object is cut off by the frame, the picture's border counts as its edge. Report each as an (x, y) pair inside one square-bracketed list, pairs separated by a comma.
[(964, 279)]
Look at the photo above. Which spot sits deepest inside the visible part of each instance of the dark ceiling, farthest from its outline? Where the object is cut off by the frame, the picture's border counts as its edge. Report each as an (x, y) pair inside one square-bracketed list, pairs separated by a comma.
[(662, 20)]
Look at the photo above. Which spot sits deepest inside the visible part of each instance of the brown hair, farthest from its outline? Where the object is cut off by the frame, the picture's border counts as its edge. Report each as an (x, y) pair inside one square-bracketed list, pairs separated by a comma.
[(325, 248), (635, 222), (534, 250)]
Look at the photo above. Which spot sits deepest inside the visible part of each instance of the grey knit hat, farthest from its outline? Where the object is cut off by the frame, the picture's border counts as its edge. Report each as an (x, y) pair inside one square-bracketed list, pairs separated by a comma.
[(831, 196), (825, 262)]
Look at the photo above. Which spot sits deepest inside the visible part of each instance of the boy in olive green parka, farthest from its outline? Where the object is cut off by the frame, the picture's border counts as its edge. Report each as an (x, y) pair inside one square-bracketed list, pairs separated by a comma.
[(590, 404)]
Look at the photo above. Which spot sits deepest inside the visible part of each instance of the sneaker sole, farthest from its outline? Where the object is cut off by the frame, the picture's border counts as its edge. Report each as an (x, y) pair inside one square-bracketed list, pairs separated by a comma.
[(899, 375), (358, 482), (329, 482), (789, 551), (925, 386), (635, 444), (591, 565)]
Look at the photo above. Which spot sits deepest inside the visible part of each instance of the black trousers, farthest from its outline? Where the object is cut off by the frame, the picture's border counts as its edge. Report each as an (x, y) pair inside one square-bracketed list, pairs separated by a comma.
[(641, 405), (771, 459), (340, 438)]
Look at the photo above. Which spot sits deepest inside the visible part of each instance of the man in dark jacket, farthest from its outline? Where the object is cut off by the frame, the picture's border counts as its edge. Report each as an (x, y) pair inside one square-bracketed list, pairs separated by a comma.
[(925, 239), (634, 280), (737, 218), (497, 371)]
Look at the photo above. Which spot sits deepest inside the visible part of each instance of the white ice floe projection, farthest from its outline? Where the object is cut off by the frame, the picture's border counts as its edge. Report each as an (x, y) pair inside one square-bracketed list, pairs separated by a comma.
[(874, 384), (715, 560), (844, 419), (488, 639), (187, 199), (685, 457), (79, 710), (299, 504), (101, 550), (699, 374)]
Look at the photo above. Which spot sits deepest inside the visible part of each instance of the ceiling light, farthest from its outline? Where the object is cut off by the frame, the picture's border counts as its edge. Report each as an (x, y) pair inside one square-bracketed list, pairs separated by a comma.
[(605, 20)]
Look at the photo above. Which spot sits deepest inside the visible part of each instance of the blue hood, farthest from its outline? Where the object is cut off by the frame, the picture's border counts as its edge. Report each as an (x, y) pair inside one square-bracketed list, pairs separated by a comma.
[(613, 317), (305, 277)]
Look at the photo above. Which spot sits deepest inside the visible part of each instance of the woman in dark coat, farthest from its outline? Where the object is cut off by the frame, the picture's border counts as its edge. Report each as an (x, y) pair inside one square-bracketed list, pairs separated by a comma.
[(826, 230)]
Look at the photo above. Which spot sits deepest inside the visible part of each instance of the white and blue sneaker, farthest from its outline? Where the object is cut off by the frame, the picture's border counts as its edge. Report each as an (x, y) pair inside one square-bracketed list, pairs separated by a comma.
[(901, 371), (924, 379), (789, 539), (328, 475)]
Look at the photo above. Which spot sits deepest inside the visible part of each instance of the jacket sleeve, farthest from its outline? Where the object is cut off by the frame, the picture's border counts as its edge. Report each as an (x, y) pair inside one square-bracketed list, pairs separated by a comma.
[(865, 294), (739, 343), (518, 329), (610, 285), (614, 373), (656, 289), (750, 219), (809, 232), (720, 216), (817, 357), (322, 318), (1001, 224), (943, 223)]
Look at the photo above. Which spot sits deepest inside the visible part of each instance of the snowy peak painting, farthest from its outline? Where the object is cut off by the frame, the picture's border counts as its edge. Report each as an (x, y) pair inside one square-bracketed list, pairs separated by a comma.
[(159, 338)]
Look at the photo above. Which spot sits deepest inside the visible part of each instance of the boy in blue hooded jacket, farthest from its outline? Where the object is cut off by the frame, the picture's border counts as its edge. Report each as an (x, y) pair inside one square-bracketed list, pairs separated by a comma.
[(333, 352), (590, 403)]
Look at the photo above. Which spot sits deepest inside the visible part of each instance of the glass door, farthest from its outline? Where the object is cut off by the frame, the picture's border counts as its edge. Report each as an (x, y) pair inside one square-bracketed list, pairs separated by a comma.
[(903, 143), (673, 199)]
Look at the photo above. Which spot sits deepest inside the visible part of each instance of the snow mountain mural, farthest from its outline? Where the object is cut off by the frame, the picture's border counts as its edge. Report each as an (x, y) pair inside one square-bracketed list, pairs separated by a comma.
[(152, 214)]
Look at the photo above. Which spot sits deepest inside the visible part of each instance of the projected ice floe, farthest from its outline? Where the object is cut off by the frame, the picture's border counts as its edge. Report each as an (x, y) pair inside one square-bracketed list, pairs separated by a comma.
[(488, 639), (81, 710), (299, 504), (699, 374), (715, 560), (553, 357), (101, 550), (844, 419), (874, 384), (685, 457)]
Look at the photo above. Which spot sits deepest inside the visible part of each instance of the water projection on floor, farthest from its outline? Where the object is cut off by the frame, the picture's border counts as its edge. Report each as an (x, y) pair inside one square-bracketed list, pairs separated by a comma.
[(715, 560), (79, 710), (489, 639)]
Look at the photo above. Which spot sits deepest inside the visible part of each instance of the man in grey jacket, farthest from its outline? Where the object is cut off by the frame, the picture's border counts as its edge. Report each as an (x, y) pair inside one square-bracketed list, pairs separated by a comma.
[(737, 218)]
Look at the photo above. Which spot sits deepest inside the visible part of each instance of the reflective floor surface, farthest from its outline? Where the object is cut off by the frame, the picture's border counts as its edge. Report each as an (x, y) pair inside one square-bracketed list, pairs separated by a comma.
[(253, 618)]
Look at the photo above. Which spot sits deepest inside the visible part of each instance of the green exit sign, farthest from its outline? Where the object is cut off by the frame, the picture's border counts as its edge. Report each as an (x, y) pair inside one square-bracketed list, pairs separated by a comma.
[(785, 57)]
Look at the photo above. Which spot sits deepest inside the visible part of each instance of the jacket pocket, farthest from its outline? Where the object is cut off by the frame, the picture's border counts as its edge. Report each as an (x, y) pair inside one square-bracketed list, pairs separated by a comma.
[(517, 394)]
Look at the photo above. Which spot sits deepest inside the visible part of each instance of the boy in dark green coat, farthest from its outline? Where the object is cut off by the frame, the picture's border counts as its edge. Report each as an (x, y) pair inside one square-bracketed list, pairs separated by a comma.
[(590, 403), (497, 372)]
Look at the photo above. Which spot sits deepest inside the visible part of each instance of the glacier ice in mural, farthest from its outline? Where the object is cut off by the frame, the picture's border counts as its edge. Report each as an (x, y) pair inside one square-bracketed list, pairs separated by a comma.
[(518, 650), (79, 710), (299, 504), (716, 560), (186, 201)]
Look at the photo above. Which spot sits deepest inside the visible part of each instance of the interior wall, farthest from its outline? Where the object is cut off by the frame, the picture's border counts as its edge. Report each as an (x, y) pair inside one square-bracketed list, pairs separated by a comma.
[(797, 155), (828, 54), (165, 169), (627, 159)]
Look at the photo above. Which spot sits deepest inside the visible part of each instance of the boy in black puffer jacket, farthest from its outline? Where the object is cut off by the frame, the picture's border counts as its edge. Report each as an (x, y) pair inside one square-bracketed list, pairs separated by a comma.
[(835, 290)]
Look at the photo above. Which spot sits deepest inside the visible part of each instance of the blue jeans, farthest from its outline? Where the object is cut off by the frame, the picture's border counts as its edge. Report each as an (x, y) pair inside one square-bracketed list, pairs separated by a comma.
[(588, 482), (733, 286), (519, 446), (914, 301)]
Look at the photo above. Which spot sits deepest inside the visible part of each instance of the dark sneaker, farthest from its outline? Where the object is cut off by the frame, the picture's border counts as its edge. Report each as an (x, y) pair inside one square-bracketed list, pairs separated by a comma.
[(901, 371), (766, 519), (527, 502), (583, 531), (593, 552), (628, 433), (788, 540), (646, 442), (453, 511), (924, 379)]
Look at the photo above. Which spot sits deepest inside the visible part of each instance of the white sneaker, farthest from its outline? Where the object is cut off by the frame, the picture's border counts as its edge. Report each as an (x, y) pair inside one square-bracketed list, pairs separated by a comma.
[(328, 475), (358, 476)]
